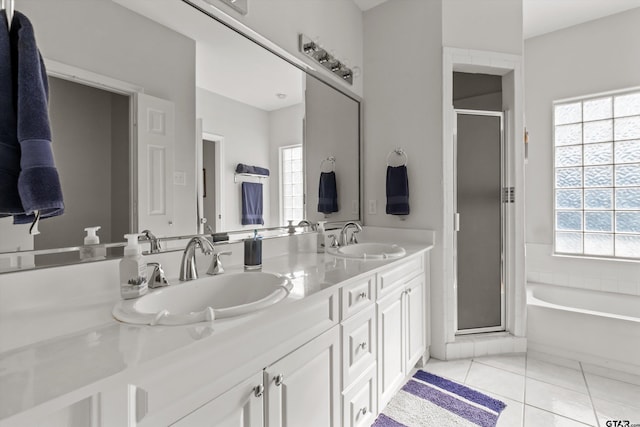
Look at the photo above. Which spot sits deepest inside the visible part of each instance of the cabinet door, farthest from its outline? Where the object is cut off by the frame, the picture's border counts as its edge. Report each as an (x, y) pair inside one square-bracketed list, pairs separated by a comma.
[(242, 406), (414, 298), (391, 352), (302, 389)]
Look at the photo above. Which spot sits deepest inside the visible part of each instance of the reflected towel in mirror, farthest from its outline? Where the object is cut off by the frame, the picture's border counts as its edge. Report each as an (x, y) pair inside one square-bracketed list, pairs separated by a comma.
[(327, 193), (256, 170), (252, 203), (397, 190)]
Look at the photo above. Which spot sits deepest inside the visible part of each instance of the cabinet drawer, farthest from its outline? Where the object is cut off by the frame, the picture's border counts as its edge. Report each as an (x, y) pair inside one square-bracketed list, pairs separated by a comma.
[(356, 295), (399, 273), (358, 345), (359, 403)]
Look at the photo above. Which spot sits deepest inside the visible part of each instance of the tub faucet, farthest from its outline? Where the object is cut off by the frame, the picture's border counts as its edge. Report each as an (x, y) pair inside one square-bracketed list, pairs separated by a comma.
[(343, 233), (188, 270), (305, 223)]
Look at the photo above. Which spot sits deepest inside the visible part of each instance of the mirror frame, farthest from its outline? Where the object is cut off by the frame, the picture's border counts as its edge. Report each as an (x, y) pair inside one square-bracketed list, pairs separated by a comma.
[(60, 70)]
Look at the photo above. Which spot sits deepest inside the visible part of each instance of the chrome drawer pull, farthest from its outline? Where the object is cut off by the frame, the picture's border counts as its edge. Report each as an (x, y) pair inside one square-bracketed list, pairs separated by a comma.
[(258, 390), (279, 380)]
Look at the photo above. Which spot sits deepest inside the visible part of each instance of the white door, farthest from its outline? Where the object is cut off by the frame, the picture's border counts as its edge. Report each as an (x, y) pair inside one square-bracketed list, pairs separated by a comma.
[(242, 406), (155, 141), (415, 321), (302, 389), (391, 353)]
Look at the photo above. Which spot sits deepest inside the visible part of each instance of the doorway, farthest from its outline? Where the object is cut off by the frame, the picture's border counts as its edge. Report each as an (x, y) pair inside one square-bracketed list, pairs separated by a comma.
[(479, 148)]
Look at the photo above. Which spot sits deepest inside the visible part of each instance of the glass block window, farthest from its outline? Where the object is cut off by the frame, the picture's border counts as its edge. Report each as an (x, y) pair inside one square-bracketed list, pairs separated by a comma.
[(291, 184), (597, 176)]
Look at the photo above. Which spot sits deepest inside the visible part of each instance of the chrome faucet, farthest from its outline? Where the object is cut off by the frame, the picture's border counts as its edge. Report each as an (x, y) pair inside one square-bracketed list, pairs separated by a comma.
[(344, 232), (154, 242), (157, 278), (305, 223), (188, 270), (216, 264)]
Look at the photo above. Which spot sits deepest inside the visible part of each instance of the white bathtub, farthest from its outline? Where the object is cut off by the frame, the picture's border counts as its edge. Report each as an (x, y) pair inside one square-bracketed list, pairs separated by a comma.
[(600, 328)]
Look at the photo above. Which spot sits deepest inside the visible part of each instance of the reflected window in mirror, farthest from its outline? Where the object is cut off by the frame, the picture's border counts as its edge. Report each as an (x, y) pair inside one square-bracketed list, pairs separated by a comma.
[(292, 184)]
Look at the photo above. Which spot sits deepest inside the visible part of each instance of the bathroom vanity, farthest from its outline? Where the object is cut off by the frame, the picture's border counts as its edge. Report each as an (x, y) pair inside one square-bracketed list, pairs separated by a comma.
[(331, 354)]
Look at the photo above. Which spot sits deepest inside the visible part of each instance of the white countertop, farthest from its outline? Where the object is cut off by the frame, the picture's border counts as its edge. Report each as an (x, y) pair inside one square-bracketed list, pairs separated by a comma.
[(85, 362)]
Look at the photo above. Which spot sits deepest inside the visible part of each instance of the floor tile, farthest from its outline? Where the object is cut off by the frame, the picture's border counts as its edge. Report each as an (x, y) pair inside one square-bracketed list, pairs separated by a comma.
[(613, 390), (611, 373), (496, 381), (606, 410), (559, 400), (512, 363), (534, 417), (556, 374), (511, 416), (455, 370), (556, 360)]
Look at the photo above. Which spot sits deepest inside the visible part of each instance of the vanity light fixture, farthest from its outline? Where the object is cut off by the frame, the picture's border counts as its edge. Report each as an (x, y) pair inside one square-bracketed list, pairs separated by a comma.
[(319, 54)]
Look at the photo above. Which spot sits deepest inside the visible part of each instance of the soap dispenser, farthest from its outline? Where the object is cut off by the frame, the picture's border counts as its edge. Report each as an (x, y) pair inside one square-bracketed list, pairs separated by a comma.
[(133, 271), (90, 251), (320, 246)]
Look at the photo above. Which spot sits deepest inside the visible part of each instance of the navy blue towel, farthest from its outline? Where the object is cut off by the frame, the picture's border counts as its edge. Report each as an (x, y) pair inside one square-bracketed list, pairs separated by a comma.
[(397, 190), (10, 203), (252, 203), (327, 193), (256, 170), (38, 183)]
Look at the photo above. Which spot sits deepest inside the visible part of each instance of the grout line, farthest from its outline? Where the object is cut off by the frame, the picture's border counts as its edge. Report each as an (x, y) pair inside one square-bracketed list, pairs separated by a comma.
[(593, 406), (468, 370), (559, 415)]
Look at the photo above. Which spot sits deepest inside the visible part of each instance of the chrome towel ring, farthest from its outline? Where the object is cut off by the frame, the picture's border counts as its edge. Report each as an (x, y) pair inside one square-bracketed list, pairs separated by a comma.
[(397, 152), (331, 164)]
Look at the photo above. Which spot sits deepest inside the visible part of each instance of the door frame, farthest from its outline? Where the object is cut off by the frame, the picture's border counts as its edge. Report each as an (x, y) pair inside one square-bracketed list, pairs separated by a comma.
[(503, 218), (218, 141), (443, 302)]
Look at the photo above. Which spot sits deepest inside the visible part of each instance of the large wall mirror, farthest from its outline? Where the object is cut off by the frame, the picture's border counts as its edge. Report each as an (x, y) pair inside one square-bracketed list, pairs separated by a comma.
[(152, 109)]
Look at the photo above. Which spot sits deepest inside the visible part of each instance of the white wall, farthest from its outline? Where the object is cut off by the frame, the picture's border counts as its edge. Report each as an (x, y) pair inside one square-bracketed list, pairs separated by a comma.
[(285, 128), (403, 108), (337, 24), (493, 25), (246, 140), (105, 38), (593, 57)]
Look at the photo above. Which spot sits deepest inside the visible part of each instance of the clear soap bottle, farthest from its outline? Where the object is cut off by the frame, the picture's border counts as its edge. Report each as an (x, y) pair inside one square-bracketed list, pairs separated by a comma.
[(133, 270)]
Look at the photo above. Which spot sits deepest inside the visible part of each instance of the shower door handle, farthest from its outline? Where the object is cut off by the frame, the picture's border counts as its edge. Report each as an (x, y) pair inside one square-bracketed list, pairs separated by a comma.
[(456, 222)]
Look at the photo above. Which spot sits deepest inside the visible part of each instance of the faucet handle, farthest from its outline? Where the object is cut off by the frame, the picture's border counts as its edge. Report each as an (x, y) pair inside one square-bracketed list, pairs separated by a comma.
[(334, 241), (158, 278), (216, 263), (354, 239)]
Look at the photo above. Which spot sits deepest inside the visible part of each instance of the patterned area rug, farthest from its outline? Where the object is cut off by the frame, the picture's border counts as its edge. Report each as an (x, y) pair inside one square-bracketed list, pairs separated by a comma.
[(428, 400)]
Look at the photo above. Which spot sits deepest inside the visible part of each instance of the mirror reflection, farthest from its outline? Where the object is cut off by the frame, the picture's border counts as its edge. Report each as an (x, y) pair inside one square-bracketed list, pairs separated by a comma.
[(152, 109)]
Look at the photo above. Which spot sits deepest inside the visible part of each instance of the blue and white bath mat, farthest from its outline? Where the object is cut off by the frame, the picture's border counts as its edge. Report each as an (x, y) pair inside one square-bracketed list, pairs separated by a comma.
[(428, 400)]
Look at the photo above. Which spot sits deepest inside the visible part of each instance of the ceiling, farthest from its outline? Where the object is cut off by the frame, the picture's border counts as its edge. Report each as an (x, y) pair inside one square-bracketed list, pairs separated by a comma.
[(545, 16)]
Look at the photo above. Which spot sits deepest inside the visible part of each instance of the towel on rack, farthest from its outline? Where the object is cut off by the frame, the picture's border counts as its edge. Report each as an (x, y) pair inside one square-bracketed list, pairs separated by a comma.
[(327, 193), (38, 183), (252, 203), (397, 190), (256, 170), (10, 203)]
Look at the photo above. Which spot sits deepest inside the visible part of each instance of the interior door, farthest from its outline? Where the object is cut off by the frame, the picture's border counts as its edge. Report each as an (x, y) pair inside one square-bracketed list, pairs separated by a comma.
[(479, 247), (155, 151)]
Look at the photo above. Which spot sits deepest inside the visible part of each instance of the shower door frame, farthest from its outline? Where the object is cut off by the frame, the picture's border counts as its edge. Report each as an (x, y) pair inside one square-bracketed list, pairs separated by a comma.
[(503, 219)]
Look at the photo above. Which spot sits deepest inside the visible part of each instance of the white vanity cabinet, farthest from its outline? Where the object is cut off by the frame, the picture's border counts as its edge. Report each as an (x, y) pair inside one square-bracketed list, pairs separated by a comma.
[(302, 389), (401, 324), (242, 406)]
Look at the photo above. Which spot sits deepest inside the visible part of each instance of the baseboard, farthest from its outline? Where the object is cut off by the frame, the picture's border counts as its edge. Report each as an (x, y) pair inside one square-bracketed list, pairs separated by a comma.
[(488, 344)]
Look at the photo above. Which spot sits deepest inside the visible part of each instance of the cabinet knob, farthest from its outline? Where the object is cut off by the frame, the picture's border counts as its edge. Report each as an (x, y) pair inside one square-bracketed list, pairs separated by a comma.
[(363, 345), (362, 295), (363, 411), (279, 379), (409, 290), (258, 390)]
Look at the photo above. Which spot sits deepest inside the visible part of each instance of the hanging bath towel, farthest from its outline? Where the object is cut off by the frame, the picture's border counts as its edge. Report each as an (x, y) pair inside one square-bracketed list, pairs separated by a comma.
[(252, 203), (397, 190), (38, 184), (10, 203), (327, 193)]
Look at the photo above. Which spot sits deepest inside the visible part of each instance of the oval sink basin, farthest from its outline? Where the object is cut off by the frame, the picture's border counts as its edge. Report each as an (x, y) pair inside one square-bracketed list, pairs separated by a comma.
[(370, 251), (205, 299)]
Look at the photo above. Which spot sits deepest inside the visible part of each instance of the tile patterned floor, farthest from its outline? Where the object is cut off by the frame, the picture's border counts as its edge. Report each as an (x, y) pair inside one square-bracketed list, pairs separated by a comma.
[(543, 391)]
